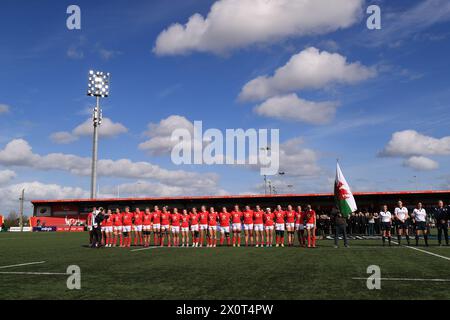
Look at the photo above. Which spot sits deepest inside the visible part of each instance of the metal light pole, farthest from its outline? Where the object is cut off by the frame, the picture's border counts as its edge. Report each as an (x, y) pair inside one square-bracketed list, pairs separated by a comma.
[(267, 149), (22, 199), (98, 87)]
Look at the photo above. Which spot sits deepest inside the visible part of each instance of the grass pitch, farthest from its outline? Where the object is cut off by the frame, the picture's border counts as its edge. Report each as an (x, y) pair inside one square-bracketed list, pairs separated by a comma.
[(217, 273)]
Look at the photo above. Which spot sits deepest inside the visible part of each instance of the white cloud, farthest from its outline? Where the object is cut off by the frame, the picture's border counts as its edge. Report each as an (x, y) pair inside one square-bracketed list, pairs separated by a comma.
[(160, 134), (232, 24), (412, 143), (19, 153), (6, 176), (292, 108), (107, 129), (309, 69), (74, 52), (4, 108), (63, 137), (421, 163), (295, 160), (9, 195)]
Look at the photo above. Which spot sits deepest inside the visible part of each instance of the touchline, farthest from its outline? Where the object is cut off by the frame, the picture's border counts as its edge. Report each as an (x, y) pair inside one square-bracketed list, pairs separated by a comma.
[(251, 147)]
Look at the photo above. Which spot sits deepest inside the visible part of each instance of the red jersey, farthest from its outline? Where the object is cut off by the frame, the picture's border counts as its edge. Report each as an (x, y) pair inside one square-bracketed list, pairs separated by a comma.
[(212, 219), (290, 216), (185, 220), (248, 217), (108, 221), (203, 217), (127, 218), (279, 216), (194, 219), (224, 219), (268, 219), (299, 217), (258, 217), (147, 219), (311, 217), (165, 216), (175, 219), (138, 216), (156, 217), (117, 219), (236, 216)]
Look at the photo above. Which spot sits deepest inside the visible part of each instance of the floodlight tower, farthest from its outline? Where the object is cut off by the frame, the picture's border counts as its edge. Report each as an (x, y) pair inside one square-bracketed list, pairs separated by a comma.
[(98, 87)]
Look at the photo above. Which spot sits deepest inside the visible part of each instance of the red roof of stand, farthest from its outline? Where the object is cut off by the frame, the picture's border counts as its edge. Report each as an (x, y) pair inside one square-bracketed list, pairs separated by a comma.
[(239, 196)]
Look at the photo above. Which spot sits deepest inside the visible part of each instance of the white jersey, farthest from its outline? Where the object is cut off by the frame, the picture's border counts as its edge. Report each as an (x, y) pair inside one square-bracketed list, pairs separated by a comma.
[(401, 213), (386, 216), (420, 215)]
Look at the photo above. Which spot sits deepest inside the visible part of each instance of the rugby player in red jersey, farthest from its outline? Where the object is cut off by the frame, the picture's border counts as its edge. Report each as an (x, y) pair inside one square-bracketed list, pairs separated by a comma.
[(103, 231), (212, 227), (156, 227), (175, 218), (203, 220), (147, 226), (127, 223), (108, 229), (248, 225), (224, 219), (165, 226), (236, 216), (258, 225), (311, 226), (185, 228), (279, 225), (195, 234), (117, 227), (290, 225), (138, 215), (268, 226), (300, 226)]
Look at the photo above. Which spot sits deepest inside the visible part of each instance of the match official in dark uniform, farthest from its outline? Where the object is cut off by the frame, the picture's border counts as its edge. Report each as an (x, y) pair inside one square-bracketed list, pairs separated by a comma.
[(441, 215), (340, 224), (97, 230)]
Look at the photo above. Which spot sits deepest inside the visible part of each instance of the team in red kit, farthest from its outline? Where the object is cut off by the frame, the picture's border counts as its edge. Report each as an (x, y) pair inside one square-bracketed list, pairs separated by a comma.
[(207, 226)]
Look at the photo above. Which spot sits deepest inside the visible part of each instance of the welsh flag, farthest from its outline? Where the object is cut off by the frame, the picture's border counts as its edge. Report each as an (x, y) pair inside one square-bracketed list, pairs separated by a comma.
[(343, 195)]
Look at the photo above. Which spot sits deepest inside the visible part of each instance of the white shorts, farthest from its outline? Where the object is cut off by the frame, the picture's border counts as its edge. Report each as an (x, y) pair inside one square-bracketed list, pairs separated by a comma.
[(248, 226), (147, 228), (165, 227), (109, 229), (137, 228), (259, 227), (126, 228), (175, 229), (279, 226), (194, 227), (268, 227), (156, 227), (310, 226), (203, 227), (299, 227), (225, 229), (103, 229), (89, 228), (184, 229), (290, 225), (212, 228), (237, 227), (118, 228)]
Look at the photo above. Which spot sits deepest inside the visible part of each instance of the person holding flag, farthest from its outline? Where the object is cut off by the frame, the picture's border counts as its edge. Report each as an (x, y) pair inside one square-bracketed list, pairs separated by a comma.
[(345, 204)]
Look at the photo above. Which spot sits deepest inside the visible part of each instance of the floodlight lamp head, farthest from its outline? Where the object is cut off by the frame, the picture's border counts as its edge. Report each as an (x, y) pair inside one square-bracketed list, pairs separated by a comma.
[(98, 84)]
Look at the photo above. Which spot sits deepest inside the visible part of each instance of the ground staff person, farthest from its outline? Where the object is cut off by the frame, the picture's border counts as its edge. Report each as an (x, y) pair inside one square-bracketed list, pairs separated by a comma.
[(441, 216), (340, 228)]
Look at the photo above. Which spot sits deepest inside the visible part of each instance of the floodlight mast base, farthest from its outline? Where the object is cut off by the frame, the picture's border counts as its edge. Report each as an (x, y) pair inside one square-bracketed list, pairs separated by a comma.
[(97, 121)]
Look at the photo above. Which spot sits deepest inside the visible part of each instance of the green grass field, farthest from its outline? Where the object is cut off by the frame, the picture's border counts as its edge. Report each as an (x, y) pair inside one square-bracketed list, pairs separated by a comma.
[(217, 273)]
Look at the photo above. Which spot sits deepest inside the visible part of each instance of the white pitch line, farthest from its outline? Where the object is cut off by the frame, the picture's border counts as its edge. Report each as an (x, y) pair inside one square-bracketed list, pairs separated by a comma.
[(35, 273), (424, 251), (21, 264), (407, 279), (146, 248)]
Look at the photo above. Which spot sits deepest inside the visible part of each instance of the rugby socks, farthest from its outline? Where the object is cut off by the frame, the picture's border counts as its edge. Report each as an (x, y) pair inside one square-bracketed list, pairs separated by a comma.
[(425, 237), (389, 240), (228, 241), (399, 238), (417, 240), (407, 239), (384, 240)]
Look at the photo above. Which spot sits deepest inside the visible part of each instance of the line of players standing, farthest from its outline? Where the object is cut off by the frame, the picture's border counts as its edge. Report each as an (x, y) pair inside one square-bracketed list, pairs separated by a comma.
[(418, 217), (194, 227)]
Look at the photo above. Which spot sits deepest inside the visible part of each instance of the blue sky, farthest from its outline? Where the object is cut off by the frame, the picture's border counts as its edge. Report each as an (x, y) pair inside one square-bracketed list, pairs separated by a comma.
[(389, 128)]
